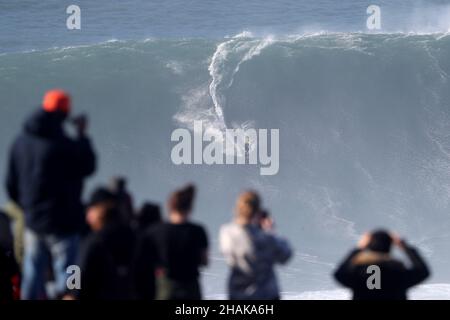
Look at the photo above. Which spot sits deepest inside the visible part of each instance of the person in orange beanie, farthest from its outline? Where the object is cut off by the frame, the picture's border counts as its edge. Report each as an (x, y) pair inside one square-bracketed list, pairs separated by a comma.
[(45, 178), (56, 100)]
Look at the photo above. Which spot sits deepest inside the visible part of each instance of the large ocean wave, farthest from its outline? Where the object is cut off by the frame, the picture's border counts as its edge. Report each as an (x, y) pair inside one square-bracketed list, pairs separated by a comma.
[(364, 125)]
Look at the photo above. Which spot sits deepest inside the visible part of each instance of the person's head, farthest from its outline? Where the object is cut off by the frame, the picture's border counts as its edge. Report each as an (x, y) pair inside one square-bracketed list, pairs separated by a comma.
[(57, 101), (181, 201), (380, 241), (148, 215), (102, 209), (118, 184), (247, 206)]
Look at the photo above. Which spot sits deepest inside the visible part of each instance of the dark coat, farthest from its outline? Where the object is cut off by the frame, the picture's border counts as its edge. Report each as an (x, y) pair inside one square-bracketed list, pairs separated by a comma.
[(106, 263), (6, 236), (45, 174), (396, 279), (8, 266)]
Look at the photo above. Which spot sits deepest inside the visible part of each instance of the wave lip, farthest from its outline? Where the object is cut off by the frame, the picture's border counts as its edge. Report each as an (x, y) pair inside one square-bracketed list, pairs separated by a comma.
[(266, 39)]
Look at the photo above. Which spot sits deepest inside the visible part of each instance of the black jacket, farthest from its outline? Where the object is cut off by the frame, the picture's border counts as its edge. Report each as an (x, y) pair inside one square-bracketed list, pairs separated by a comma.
[(8, 269), (395, 278), (8, 265), (106, 263), (145, 267), (6, 236), (45, 174)]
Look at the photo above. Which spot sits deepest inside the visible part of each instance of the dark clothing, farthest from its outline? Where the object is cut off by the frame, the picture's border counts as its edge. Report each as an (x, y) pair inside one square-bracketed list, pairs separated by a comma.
[(6, 236), (177, 251), (8, 266), (106, 263), (45, 174), (125, 205), (7, 271), (145, 266), (395, 278)]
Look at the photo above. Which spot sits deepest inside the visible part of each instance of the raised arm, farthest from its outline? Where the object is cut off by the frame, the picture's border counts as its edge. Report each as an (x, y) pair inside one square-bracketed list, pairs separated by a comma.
[(418, 271), (344, 272)]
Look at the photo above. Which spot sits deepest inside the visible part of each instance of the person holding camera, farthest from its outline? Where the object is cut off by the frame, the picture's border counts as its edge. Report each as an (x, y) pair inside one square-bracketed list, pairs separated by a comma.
[(45, 178), (372, 273), (252, 250)]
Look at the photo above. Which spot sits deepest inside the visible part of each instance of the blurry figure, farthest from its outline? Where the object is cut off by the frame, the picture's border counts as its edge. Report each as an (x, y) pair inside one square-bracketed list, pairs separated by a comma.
[(147, 218), (15, 214), (118, 186), (107, 254), (145, 265), (45, 178), (251, 251), (6, 236), (148, 215), (176, 250), (395, 279), (9, 271)]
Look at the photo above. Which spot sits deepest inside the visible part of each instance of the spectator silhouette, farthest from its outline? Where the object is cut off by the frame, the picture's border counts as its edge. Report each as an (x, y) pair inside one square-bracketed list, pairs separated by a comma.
[(106, 258), (45, 178), (147, 216), (6, 236), (251, 252), (118, 186), (145, 265), (175, 250), (394, 278)]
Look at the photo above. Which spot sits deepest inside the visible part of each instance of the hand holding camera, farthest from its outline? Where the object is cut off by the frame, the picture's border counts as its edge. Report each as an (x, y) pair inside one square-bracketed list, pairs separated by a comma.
[(80, 124)]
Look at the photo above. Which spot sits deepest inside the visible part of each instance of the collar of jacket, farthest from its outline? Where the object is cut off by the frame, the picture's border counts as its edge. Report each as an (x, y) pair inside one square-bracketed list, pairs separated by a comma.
[(366, 257)]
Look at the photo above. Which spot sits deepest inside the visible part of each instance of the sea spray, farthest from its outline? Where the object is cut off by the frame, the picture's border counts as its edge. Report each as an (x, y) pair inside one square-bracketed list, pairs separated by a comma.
[(225, 64)]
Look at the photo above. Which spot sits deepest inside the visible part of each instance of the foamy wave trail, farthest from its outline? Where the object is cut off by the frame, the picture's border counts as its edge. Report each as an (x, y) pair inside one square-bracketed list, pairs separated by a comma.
[(225, 64)]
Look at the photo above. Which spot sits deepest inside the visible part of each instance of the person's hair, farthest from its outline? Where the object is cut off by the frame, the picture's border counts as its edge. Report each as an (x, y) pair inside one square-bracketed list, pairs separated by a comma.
[(148, 215), (102, 195), (182, 200), (105, 198), (380, 241), (247, 205)]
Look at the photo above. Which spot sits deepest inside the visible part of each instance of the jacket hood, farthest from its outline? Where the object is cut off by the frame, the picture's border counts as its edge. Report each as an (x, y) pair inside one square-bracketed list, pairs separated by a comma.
[(45, 124)]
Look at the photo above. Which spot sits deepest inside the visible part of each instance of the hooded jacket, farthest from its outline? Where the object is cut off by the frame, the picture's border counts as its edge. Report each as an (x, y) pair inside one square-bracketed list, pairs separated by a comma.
[(395, 277), (252, 253), (45, 174)]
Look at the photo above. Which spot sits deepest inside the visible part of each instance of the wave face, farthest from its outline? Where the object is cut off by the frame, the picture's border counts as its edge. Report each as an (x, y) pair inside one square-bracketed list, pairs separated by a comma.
[(364, 131)]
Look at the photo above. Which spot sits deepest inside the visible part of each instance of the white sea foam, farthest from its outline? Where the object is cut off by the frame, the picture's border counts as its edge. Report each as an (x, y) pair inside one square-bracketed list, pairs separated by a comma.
[(175, 66), (224, 65), (435, 291)]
